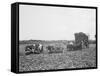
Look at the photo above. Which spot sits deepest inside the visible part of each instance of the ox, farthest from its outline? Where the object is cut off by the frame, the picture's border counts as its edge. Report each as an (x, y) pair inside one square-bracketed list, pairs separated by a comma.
[(38, 48), (28, 49), (54, 49), (74, 47)]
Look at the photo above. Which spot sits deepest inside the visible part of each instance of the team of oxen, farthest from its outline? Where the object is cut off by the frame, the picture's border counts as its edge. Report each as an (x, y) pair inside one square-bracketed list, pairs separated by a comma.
[(38, 48), (34, 48), (81, 42)]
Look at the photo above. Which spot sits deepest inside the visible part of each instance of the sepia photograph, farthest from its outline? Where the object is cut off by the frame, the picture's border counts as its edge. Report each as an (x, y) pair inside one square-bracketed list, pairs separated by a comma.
[(56, 38)]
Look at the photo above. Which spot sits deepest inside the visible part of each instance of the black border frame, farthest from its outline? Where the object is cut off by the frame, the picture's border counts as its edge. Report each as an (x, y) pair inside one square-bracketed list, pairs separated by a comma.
[(15, 35)]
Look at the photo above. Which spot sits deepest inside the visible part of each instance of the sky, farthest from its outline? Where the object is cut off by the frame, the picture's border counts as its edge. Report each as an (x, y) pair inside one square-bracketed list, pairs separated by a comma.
[(55, 23)]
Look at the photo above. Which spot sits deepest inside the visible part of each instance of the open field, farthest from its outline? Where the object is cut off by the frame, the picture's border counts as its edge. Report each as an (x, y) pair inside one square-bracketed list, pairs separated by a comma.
[(84, 58)]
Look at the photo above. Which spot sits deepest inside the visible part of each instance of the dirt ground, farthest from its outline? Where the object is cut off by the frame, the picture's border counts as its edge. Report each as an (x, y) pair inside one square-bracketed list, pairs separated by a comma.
[(84, 58)]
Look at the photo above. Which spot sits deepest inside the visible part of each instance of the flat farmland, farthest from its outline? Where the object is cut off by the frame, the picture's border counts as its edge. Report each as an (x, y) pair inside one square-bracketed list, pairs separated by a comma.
[(85, 58)]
